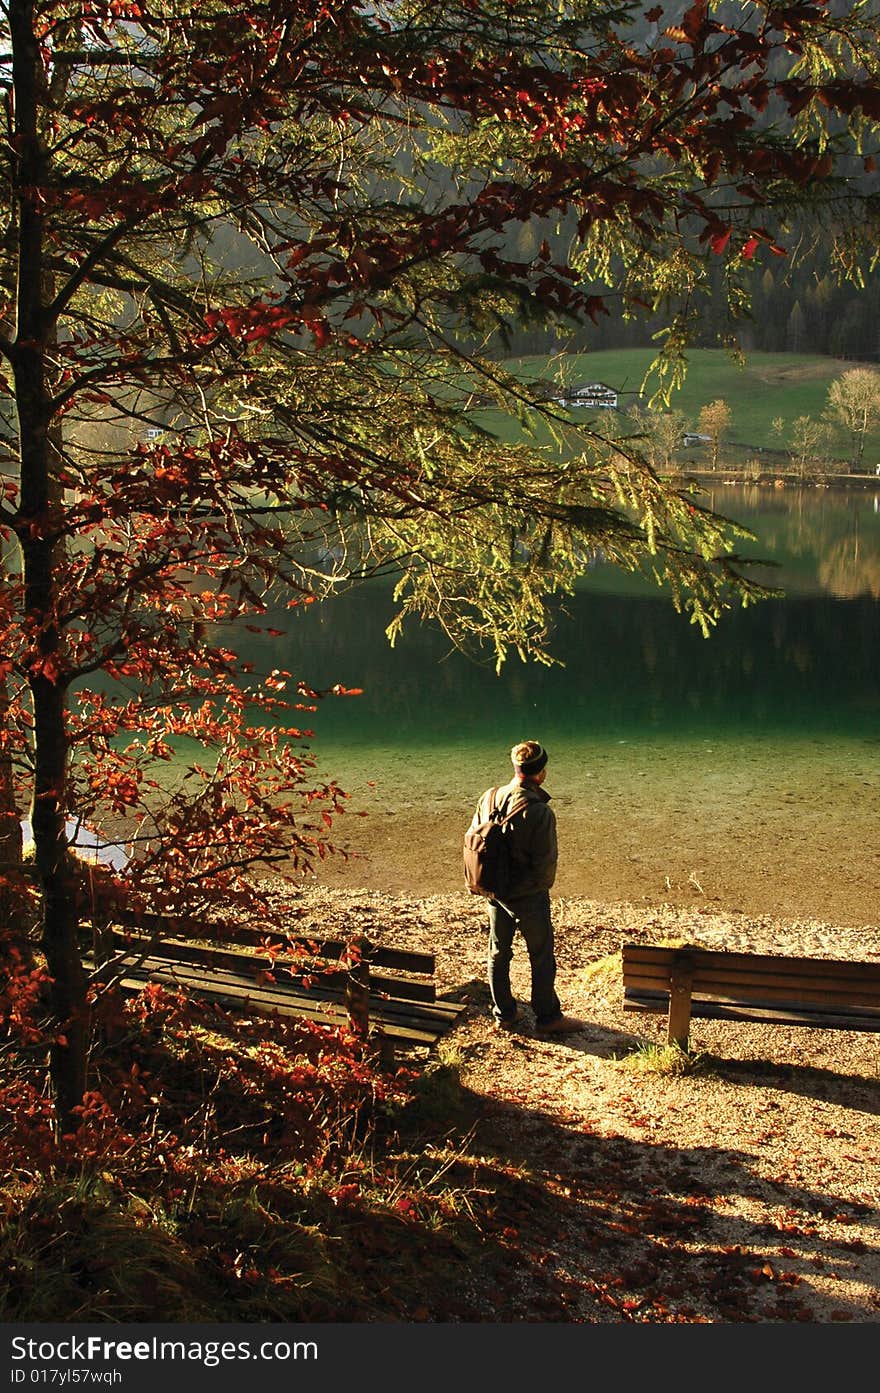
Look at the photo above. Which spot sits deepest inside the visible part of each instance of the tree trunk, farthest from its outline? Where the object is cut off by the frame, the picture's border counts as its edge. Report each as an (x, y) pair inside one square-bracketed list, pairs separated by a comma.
[(10, 837), (860, 444), (67, 995), (41, 552), (10, 825)]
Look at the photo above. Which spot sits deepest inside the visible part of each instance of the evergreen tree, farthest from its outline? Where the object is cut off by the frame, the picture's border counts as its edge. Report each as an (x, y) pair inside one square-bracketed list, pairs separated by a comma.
[(795, 330)]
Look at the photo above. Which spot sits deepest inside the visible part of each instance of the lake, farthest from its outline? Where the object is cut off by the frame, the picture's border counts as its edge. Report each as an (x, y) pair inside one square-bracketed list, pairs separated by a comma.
[(739, 770)]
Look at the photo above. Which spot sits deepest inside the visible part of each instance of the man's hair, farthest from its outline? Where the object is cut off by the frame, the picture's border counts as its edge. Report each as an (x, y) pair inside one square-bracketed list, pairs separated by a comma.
[(528, 757)]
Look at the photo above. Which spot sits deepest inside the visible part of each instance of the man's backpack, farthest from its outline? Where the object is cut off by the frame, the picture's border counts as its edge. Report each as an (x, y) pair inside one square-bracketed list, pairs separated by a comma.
[(487, 869)]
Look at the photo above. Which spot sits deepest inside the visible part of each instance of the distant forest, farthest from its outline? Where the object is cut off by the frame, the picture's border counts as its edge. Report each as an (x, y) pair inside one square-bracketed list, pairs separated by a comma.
[(797, 306), (799, 303)]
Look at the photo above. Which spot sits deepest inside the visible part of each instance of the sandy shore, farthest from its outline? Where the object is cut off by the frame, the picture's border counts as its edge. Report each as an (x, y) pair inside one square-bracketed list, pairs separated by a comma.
[(741, 857), (744, 1190)]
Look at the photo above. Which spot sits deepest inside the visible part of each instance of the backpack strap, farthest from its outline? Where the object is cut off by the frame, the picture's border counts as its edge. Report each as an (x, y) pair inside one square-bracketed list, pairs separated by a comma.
[(493, 807)]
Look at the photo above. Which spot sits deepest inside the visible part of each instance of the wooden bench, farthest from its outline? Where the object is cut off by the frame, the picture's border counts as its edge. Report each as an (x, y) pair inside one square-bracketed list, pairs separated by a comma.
[(825, 993), (385, 995)]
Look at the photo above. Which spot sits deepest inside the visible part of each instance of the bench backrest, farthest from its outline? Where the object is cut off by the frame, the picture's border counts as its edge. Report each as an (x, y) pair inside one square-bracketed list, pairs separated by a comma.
[(387, 995), (760, 977), (291, 957)]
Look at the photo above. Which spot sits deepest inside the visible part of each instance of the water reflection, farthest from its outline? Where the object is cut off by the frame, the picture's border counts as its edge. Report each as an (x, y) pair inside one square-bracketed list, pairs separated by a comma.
[(823, 538), (804, 664)]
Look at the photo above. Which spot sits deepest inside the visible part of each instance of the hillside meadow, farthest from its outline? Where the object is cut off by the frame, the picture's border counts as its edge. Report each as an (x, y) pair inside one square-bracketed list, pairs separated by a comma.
[(758, 390)]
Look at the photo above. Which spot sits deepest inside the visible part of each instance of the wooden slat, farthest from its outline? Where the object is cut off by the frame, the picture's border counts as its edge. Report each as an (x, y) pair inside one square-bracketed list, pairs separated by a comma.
[(719, 1010), (742, 990), (401, 959), (333, 1015), (823, 969), (186, 929), (779, 979), (192, 975), (641, 999), (402, 1009), (707, 972), (716, 978), (329, 1013), (424, 1022), (737, 989), (283, 968), (400, 988)]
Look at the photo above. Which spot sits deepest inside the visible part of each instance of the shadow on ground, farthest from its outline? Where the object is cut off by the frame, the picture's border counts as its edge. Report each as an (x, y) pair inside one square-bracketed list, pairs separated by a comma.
[(609, 1228)]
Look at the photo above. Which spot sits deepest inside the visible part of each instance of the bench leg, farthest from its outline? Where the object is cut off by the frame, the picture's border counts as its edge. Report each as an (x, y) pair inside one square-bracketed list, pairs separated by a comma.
[(102, 943), (384, 1049), (680, 985), (357, 998), (357, 987)]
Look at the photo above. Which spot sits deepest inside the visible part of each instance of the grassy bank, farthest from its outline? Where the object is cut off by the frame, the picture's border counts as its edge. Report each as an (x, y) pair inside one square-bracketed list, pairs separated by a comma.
[(760, 390)]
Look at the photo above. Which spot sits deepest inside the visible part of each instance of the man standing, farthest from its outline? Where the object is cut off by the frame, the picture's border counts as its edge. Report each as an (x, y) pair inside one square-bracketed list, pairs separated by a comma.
[(530, 834)]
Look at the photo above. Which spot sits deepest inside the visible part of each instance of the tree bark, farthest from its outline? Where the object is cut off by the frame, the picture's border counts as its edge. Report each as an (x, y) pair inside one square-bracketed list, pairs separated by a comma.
[(40, 556), (10, 823)]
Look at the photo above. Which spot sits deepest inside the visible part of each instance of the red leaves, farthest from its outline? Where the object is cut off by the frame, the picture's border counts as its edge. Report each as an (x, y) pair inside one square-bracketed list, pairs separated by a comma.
[(254, 322), (694, 25), (693, 21), (719, 238), (848, 96), (48, 668), (320, 331), (23, 992), (119, 788)]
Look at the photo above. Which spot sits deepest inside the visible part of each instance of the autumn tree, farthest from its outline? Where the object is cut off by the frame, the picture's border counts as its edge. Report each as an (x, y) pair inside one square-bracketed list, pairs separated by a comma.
[(854, 403), (714, 422), (658, 434), (808, 437), (247, 256)]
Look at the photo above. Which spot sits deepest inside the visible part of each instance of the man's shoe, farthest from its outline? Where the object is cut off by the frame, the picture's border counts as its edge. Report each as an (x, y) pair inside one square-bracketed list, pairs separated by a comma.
[(508, 1022), (563, 1025)]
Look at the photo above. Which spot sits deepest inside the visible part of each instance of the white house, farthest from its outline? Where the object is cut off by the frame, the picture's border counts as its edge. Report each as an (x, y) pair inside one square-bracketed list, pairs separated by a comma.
[(592, 395)]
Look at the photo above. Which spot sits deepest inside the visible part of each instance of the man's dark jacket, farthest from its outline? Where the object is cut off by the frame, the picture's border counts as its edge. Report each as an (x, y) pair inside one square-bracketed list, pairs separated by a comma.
[(531, 833)]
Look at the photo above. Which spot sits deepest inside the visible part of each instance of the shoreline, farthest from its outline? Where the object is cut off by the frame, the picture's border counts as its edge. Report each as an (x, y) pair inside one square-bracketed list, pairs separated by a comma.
[(747, 825), (830, 877), (454, 925)]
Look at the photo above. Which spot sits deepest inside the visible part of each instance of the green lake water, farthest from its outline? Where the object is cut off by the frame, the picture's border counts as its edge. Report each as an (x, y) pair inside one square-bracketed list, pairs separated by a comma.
[(798, 667), (760, 742)]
